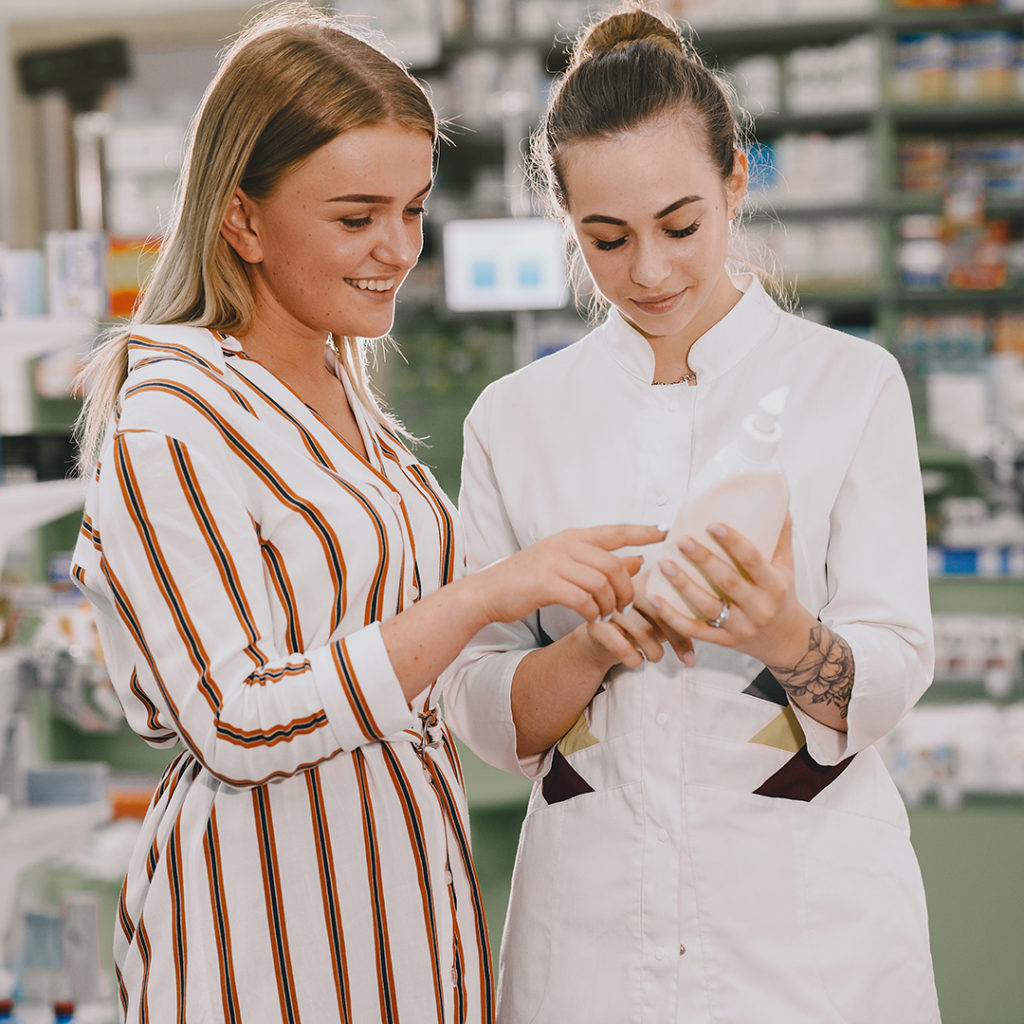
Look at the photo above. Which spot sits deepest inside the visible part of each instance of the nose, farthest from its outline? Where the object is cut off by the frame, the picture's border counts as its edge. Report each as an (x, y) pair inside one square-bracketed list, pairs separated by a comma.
[(650, 266), (400, 243)]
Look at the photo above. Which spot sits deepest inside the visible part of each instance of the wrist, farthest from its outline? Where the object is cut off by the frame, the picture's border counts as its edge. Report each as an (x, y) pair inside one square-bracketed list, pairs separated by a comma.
[(593, 659), (468, 604), (789, 644)]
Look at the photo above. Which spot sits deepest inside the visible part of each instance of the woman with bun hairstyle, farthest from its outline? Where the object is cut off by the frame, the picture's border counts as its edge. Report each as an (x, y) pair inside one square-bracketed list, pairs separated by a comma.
[(278, 581), (712, 835)]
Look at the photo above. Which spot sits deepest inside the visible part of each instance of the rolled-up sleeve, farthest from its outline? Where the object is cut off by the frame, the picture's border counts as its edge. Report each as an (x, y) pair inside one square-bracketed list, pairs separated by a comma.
[(877, 577), (478, 684), (185, 572)]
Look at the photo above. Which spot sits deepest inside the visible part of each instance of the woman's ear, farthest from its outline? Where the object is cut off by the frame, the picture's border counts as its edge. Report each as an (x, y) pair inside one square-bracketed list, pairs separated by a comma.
[(736, 183), (239, 230)]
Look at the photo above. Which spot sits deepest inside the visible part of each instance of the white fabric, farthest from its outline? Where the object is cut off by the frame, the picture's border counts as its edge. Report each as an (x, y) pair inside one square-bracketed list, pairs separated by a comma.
[(789, 911), (301, 860)]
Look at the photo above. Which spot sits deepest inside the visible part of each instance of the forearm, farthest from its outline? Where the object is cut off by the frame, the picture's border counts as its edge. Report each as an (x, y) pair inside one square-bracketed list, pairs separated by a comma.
[(425, 638), (551, 687), (818, 676)]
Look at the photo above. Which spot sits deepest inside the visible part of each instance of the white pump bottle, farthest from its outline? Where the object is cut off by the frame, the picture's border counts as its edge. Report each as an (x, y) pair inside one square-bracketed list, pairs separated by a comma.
[(741, 486)]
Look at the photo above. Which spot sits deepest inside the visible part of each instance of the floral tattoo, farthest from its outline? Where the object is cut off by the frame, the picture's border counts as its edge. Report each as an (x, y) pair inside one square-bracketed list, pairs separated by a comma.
[(824, 673)]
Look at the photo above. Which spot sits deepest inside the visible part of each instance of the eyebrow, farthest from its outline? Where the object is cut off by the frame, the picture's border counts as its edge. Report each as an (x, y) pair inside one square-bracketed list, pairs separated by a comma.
[(360, 197), (599, 218)]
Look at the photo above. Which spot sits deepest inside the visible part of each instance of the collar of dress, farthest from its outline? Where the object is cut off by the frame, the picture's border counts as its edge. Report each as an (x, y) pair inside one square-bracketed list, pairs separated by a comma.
[(715, 352)]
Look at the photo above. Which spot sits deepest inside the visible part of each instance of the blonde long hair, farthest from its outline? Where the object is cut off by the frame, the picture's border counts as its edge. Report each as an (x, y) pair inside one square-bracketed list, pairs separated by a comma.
[(294, 79)]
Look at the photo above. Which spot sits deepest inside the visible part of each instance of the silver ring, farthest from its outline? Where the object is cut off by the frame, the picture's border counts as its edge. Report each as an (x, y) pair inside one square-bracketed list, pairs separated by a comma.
[(721, 618)]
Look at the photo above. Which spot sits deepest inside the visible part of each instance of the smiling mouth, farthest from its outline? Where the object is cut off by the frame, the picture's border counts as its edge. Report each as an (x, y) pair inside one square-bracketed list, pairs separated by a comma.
[(661, 301), (370, 284)]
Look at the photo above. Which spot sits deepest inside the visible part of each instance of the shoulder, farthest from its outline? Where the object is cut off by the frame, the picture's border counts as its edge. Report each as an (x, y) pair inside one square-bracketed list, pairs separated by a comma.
[(846, 358), (176, 375)]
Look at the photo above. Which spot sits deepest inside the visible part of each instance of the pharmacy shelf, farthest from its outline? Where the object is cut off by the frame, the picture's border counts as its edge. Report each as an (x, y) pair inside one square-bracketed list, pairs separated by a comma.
[(961, 19), (981, 595), (826, 29), (956, 116), (831, 122), (952, 300), (32, 834), (779, 34), (23, 339), (26, 506)]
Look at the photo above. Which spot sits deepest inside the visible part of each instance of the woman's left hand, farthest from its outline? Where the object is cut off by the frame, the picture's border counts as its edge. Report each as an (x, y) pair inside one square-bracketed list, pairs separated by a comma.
[(757, 613)]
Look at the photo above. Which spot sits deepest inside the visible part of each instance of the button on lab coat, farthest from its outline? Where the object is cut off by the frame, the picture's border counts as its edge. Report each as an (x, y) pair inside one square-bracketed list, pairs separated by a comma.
[(696, 848)]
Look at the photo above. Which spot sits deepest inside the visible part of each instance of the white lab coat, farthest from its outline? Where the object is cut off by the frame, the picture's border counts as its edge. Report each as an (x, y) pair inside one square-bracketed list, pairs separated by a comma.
[(697, 849)]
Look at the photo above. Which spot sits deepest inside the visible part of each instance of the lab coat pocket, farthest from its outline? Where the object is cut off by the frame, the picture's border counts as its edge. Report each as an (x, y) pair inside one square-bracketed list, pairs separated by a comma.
[(574, 913), (865, 917)]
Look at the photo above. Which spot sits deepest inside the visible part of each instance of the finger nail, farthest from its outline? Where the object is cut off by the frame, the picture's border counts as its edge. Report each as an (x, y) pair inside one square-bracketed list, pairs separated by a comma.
[(663, 527), (656, 602), (689, 659), (668, 568), (717, 530), (687, 546)]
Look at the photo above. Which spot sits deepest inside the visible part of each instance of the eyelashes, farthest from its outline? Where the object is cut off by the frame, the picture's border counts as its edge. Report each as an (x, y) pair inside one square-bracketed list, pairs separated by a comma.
[(607, 246), (363, 222)]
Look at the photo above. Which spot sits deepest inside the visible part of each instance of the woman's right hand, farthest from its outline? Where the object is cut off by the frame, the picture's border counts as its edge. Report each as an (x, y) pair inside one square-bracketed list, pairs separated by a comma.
[(575, 568), (634, 634)]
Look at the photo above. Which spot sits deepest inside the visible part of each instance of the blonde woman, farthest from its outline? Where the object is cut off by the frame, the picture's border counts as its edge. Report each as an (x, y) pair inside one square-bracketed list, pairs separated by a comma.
[(276, 577), (712, 838)]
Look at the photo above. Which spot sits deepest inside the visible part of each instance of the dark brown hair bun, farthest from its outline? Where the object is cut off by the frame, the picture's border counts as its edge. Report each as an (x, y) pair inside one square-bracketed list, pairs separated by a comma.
[(619, 30)]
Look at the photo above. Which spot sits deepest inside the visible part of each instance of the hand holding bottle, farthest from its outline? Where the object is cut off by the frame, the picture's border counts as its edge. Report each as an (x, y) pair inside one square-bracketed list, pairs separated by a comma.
[(634, 635), (751, 604)]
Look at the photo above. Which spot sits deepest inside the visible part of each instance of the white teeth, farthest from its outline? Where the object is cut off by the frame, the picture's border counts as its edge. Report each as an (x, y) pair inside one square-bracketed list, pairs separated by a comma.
[(372, 286)]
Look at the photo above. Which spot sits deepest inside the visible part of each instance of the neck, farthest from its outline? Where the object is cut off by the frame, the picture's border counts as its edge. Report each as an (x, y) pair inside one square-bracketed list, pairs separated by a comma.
[(672, 351)]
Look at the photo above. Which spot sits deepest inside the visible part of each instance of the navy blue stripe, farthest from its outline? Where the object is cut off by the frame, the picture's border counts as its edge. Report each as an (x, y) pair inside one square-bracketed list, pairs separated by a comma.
[(420, 849), (259, 467), (478, 907), (333, 921), (388, 1008), (227, 980), (222, 556), (368, 726), (272, 556), (287, 983), (162, 577)]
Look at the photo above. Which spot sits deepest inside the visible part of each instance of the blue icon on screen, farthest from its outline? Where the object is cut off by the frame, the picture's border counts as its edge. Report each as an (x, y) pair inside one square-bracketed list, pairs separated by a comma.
[(485, 274), (528, 273)]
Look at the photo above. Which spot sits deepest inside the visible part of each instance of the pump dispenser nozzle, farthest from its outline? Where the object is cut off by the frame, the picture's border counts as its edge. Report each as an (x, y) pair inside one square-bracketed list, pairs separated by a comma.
[(761, 431), (769, 409)]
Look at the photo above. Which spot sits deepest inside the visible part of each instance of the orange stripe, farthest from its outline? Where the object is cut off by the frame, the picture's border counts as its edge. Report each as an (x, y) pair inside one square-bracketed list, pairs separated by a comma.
[(329, 890), (274, 902), (131, 492), (385, 968), (256, 464), (222, 926), (203, 515), (417, 843)]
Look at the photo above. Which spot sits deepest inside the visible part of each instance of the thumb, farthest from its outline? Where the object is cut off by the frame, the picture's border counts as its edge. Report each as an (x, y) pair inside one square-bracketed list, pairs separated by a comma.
[(633, 563)]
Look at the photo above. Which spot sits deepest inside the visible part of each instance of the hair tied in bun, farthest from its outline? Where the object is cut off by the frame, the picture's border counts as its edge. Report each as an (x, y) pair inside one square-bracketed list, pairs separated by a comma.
[(617, 31)]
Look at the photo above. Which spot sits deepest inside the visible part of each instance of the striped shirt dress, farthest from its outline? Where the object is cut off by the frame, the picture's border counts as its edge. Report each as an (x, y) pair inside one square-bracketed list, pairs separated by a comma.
[(305, 857)]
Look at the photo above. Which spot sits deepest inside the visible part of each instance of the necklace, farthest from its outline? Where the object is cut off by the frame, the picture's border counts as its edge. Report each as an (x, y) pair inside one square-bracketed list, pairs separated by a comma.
[(687, 378)]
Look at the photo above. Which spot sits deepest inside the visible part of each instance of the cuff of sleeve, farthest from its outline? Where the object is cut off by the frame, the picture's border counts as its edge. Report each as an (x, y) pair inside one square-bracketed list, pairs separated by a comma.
[(888, 678), (481, 712), (359, 689), (534, 766), (825, 744)]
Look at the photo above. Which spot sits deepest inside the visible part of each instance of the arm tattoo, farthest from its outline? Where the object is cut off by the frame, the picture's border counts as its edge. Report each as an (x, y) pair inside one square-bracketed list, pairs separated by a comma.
[(824, 673)]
